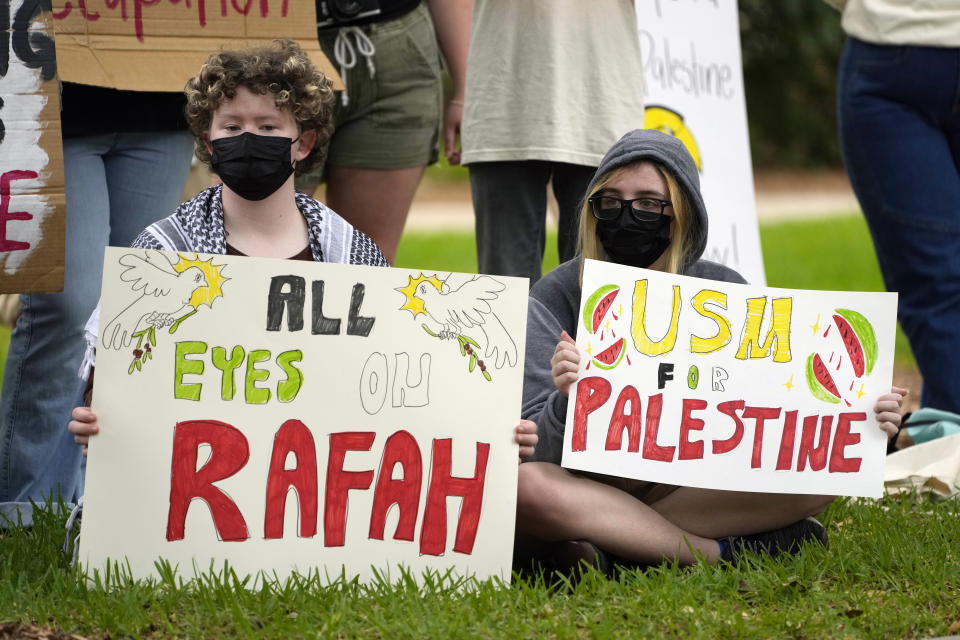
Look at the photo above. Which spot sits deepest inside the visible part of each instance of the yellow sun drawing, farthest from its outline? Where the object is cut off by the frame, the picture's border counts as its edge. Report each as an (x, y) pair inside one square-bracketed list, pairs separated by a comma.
[(203, 295), (414, 304)]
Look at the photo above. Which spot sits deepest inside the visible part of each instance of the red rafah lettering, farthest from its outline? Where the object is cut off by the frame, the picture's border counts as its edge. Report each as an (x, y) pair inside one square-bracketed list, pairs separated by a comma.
[(293, 436), (229, 452), (433, 534), (339, 482), (401, 448)]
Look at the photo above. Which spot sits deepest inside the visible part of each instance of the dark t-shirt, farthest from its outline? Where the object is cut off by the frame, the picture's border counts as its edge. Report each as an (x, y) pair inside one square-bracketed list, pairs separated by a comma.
[(306, 254), (87, 111)]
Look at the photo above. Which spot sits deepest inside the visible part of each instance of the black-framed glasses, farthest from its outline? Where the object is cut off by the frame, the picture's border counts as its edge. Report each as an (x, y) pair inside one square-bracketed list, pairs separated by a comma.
[(610, 207)]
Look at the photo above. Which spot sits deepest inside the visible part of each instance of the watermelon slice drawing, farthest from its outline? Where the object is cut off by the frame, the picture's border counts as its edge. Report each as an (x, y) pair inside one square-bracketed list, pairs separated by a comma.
[(820, 381), (597, 305), (858, 338), (611, 356)]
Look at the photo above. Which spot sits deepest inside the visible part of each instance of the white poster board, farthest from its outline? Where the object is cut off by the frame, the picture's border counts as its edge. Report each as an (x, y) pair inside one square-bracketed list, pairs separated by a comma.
[(728, 386), (693, 89), (303, 417)]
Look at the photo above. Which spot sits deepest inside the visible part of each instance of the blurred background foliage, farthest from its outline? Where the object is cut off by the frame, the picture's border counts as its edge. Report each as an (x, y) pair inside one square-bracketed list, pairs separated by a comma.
[(791, 51)]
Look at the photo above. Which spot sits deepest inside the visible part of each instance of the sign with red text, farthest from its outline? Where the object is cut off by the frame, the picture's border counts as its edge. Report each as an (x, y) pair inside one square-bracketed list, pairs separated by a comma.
[(31, 158), (156, 45), (285, 416), (693, 89), (728, 386)]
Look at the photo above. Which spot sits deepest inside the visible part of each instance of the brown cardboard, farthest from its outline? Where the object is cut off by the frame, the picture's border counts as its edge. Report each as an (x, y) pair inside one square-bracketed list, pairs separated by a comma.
[(157, 47), (30, 142)]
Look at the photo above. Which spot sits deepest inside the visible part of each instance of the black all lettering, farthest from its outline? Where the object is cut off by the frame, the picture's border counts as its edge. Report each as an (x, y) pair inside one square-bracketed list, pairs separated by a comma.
[(289, 292)]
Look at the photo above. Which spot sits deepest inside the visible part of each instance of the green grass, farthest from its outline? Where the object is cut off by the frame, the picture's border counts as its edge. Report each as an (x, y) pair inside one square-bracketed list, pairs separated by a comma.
[(891, 571)]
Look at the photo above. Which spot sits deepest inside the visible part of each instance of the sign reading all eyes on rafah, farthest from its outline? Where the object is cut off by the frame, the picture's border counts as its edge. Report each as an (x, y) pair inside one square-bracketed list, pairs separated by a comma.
[(728, 386), (295, 416)]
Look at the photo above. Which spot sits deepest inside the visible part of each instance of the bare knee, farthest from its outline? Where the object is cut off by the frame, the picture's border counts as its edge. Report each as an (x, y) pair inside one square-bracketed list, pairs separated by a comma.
[(540, 501)]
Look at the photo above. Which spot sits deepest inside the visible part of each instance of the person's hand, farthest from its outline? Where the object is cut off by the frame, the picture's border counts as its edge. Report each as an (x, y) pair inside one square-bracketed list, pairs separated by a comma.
[(452, 117), (525, 435), (888, 410), (83, 425), (565, 364)]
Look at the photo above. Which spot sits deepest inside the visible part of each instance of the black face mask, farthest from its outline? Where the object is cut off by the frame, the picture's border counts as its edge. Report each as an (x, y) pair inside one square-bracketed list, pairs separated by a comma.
[(637, 243), (252, 166)]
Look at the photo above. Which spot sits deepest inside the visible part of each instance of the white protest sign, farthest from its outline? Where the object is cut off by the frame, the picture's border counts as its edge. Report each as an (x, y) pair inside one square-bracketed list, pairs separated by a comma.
[(729, 386), (693, 89), (288, 416)]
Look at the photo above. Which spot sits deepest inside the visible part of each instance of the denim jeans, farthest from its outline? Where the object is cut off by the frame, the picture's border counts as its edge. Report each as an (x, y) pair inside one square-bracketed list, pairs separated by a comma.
[(116, 184), (899, 115), (510, 204)]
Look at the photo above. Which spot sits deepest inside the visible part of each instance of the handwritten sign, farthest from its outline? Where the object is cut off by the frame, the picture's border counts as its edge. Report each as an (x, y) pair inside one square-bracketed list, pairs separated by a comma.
[(693, 82), (728, 386), (296, 416), (155, 45), (31, 159)]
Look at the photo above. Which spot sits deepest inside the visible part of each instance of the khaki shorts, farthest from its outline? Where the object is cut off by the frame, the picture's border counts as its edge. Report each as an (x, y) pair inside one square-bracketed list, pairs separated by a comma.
[(644, 491), (392, 120)]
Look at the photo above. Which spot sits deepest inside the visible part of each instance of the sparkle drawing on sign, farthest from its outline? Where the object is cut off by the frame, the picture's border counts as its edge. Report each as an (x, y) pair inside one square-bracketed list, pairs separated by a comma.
[(789, 384), (168, 294), (816, 325), (449, 311)]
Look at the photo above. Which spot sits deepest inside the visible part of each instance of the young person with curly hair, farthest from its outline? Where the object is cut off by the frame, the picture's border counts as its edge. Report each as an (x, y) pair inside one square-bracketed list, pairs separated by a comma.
[(643, 208), (258, 116)]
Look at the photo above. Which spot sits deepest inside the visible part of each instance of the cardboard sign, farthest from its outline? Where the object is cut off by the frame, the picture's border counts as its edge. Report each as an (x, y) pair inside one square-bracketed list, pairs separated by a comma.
[(156, 45), (728, 386), (31, 159), (693, 84), (295, 416)]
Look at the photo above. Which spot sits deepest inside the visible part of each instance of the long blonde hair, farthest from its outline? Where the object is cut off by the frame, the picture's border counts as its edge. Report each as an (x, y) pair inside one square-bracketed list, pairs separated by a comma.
[(588, 243)]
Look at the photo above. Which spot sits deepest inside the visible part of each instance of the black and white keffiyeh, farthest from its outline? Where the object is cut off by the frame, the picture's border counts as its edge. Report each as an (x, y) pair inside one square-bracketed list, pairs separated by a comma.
[(197, 226)]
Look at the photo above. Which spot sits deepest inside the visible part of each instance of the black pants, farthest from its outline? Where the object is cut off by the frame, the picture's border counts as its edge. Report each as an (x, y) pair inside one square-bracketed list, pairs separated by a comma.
[(510, 205)]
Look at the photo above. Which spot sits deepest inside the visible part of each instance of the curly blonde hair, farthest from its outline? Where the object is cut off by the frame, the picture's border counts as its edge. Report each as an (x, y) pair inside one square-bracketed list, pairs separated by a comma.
[(282, 69)]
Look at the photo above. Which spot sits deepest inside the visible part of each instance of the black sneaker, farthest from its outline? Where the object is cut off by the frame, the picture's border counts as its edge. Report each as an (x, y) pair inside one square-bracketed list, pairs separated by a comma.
[(787, 540)]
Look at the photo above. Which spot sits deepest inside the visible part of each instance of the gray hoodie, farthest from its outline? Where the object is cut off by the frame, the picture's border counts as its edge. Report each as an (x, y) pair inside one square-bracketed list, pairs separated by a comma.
[(555, 299)]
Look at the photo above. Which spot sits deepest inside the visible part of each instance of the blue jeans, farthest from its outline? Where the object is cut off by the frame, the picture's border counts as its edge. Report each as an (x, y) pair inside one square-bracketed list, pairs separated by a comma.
[(116, 184), (899, 115)]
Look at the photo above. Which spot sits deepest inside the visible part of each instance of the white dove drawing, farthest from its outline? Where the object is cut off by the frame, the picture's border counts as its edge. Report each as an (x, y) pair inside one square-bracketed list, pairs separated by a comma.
[(467, 306), (163, 295)]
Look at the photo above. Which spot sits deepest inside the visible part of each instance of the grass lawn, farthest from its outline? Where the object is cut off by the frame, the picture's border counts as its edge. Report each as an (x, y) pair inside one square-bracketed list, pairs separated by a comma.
[(892, 571)]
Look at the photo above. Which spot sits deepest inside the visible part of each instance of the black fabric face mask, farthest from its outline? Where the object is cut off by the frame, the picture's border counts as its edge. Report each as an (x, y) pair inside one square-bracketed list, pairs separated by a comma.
[(633, 242), (252, 166)]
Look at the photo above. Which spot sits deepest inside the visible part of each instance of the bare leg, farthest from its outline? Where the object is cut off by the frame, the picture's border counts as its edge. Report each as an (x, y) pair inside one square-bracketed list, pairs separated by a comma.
[(717, 514), (376, 201), (553, 504)]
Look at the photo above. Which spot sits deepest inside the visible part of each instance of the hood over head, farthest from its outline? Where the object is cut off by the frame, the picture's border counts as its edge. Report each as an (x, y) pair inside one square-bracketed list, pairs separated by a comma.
[(650, 144)]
